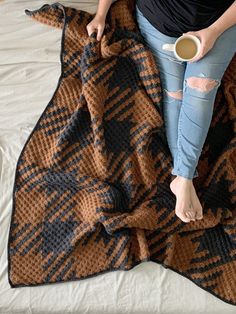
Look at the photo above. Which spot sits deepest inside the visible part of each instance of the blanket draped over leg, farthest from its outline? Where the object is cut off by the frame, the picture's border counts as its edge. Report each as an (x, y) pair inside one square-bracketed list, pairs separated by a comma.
[(91, 191)]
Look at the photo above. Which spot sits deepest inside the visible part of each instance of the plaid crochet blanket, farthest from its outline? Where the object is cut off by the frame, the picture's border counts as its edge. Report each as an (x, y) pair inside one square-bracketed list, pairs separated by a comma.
[(91, 190)]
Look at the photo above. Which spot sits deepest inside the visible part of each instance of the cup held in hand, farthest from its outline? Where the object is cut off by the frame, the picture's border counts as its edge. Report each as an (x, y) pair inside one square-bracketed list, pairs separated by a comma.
[(185, 48)]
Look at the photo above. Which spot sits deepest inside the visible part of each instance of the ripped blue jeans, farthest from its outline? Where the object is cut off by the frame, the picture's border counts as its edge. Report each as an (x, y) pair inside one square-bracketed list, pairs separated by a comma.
[(189, 91)]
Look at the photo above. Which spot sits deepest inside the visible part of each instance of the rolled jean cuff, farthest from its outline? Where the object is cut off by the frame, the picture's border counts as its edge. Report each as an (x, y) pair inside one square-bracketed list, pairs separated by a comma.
[(185, 175)]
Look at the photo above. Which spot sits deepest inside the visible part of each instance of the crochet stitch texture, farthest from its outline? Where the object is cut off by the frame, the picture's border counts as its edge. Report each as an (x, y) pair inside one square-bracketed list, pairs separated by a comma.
[(91, 191)]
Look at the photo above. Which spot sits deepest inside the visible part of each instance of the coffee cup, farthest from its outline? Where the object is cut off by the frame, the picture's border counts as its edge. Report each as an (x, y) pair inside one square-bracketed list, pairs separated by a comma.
[(185, 48)]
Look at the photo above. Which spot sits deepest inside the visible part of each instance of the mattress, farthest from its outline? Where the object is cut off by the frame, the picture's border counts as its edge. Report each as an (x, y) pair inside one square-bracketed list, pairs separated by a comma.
[(29, 73)]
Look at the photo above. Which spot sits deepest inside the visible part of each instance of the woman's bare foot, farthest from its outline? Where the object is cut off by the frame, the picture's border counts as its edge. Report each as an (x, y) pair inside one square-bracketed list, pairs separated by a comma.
[(188, 206)]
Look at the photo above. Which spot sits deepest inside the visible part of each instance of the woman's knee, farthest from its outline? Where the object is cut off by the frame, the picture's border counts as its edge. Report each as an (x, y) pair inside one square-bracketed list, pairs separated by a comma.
[(176, 94), (202, 84)]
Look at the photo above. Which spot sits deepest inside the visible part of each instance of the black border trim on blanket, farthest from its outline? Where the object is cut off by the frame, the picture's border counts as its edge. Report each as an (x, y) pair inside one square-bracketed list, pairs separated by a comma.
[(30, 12)]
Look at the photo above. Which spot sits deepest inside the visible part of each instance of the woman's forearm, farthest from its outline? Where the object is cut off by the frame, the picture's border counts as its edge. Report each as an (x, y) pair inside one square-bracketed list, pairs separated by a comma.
[(226, 20), (103, 7)]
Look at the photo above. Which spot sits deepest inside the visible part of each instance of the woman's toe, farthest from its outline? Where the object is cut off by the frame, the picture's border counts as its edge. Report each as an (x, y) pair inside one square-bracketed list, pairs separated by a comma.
[(199, 215), (190, 215), (182, 216)]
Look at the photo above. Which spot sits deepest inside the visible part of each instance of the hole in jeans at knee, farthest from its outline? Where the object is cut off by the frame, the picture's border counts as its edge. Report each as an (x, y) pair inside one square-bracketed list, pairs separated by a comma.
[(175, 94), (202, 84)]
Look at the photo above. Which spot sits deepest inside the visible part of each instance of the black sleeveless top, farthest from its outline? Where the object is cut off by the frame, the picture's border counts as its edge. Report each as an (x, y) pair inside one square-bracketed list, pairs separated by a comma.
[(174, 17)]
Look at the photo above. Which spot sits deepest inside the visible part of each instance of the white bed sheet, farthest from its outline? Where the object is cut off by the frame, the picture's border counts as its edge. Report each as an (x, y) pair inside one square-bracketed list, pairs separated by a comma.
[(29, 72)]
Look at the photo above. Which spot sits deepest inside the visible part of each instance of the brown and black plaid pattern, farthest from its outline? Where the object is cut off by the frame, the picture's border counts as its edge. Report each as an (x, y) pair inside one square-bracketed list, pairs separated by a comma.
[(91, 191)]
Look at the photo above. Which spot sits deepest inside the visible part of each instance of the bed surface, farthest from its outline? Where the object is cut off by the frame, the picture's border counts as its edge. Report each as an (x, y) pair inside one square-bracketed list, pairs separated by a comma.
[(29, 72)]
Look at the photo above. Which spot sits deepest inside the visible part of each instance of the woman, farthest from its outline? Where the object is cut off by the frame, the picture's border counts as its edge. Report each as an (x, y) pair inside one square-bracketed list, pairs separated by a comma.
[(189, 87)]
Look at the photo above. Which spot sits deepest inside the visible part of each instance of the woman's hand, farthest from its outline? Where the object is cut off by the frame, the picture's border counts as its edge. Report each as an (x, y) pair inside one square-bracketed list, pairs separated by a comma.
[(207, 37), (97, 24)]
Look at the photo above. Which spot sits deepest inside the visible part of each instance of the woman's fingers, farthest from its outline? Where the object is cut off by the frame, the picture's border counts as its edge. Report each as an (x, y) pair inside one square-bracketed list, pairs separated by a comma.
[(90, 29), (98, 28), (99, 31), (97, 24)]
